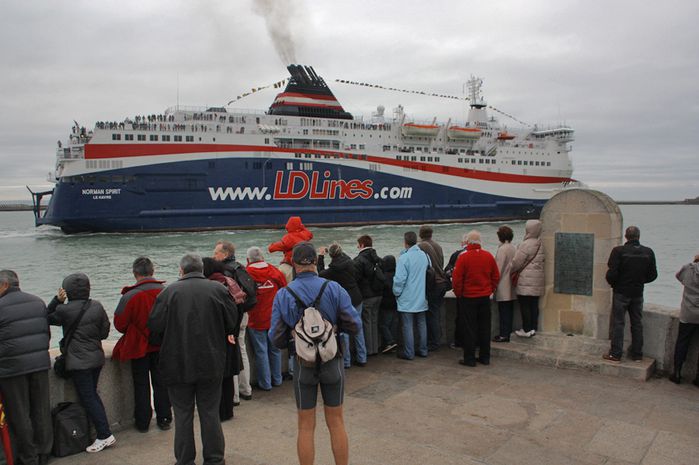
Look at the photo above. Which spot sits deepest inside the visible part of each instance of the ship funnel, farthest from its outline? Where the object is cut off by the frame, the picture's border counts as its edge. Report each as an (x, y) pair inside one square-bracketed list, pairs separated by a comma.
[(307, 94)]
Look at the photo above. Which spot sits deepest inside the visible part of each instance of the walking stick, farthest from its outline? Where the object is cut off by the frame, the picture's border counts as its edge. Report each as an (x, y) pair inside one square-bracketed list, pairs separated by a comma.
[(5, 433)]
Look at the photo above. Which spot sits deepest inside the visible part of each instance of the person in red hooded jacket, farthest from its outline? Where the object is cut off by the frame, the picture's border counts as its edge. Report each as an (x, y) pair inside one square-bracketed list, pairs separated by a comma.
[(268, 359), (475, 278), (131, 318), (295, 232)]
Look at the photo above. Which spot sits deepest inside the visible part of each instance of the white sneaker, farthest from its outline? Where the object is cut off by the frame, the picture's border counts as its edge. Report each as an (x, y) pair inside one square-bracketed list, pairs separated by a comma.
[(522, 333), (531, 333), (101, 444)]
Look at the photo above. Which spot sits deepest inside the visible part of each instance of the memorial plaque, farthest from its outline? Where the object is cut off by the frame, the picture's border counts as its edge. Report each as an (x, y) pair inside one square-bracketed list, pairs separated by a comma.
[(573, 263)]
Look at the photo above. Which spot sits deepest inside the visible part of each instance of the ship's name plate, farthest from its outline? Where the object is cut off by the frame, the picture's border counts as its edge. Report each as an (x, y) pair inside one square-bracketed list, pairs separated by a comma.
[(101, 194)]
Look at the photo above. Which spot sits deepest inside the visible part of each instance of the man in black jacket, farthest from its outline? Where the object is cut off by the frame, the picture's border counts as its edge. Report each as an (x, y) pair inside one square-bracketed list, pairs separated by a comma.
[(196, 318), (368, 267), (630, 267), (24, 365)]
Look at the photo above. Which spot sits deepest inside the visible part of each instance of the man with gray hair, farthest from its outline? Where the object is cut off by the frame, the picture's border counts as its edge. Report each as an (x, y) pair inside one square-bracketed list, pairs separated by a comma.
[(476, 277), (630, 267), (24, 365), (194, 318), (268, 359)]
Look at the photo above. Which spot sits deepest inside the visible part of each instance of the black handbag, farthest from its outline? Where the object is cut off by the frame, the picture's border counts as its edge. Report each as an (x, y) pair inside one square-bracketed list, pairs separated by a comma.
[(59, 365), (71, 429)]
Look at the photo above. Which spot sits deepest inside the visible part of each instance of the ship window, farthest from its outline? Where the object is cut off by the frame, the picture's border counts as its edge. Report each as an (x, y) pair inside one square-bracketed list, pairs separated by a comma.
[(436, 158), (189, 138), (166, 138), (460, 160), (429, 158), (297, 155), (537, 163), (548, 163), (413, 158), (266, 140), (307, 155), (519, 162), (513, 162), (116, 136), (128, 136), (353, 146), (153, 137), (422, 158), (141, 137), (178, 138), (361, 146), (480, 161)]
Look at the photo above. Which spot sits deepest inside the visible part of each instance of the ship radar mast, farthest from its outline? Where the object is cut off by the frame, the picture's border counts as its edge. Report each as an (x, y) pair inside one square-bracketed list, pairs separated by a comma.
[(477, 115), (474, 91)]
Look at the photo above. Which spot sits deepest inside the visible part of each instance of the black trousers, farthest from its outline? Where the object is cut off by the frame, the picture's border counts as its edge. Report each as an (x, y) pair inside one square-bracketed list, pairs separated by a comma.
[(28, 411), (226, 405), (529, 307), (684, 337), (85, 382), (145, 373), (207, 396), (476, 327), (506, 311)]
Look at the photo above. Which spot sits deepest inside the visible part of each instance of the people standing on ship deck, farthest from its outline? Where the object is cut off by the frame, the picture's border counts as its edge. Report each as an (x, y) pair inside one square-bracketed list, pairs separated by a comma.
[(84, 355), (528, 271)]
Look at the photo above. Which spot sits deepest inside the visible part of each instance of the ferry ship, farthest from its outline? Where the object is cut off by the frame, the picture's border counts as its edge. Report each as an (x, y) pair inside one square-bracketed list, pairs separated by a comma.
[(217, 168)]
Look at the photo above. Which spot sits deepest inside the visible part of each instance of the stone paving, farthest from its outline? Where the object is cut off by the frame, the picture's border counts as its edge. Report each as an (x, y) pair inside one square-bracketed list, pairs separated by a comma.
[(435, 412)]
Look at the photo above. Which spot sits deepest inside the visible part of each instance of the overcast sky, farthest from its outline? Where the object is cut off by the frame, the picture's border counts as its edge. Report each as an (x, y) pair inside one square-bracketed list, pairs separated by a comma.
[(623, 74)]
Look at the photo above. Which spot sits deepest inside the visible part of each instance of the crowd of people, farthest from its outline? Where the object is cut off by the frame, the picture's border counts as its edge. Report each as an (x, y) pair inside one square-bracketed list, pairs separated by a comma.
[(186, 342)]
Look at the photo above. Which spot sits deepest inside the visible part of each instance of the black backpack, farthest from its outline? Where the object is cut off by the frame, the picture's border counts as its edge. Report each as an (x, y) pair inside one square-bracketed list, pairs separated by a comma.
[(71, 429), (378, 278), (247, 284)]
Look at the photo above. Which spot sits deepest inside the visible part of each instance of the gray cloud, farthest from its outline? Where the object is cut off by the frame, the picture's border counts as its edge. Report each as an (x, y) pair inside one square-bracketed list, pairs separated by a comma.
[(621, 74)]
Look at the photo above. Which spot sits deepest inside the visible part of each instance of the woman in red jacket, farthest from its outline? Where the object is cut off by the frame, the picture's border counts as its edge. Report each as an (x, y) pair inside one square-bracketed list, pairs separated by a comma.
[(268, 359), (475, 278), (296, 232)]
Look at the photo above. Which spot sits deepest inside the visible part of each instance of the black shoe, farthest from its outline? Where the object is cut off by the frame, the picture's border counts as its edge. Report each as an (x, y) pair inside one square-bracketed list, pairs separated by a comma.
[(403, 357), (468, 364), (501, 339), (421, 355), (484, 361), (675, 378), (433, 348), (246, 396), (359, 364), (141, 429), (286, 376), (235, 404), (637, 358), (165, 424)]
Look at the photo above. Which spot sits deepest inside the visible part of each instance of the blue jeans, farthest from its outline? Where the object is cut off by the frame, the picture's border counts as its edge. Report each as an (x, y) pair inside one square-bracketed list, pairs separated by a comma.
[(407, 321), (634, 306), (268, 359), (359, 345), (85, 382)]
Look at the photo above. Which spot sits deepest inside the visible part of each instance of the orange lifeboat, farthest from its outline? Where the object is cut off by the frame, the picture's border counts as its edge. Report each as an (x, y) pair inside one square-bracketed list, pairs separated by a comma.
[(461, 133), (505, 136), (428, 130)]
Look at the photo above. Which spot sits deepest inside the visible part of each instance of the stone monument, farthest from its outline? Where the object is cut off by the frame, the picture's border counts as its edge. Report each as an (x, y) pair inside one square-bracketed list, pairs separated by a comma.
[(580, 228)]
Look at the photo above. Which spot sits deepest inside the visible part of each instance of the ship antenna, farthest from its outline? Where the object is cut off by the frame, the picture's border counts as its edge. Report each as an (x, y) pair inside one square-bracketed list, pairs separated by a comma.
[(178, 91)]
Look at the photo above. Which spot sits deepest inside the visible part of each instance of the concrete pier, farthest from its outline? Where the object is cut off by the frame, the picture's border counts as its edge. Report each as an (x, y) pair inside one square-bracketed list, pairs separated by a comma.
[(435, 412)]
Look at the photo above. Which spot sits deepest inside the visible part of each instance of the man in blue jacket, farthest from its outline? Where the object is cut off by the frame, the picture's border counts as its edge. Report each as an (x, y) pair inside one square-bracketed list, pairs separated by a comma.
[(409, 288), (336, 307), (24, 365)]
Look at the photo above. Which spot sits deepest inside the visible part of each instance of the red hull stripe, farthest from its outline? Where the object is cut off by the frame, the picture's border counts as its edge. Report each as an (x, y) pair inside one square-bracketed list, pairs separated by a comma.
[(95, 151), (313, 96), (304, 104)]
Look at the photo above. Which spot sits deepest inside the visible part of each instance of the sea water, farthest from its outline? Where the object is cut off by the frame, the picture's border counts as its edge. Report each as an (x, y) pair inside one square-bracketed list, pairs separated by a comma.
[(42, 257)]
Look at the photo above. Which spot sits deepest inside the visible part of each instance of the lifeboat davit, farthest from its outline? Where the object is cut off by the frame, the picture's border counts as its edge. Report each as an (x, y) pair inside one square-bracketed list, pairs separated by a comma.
[(461, 133), (505, 136), (412, 129)]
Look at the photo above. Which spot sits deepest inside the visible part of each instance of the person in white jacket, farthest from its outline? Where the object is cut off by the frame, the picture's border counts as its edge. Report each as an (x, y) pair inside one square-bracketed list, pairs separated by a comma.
[(505, 295)]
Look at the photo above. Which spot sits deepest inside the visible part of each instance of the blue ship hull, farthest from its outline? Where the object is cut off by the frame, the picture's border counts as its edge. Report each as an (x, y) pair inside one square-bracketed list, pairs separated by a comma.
[(257, 193)]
